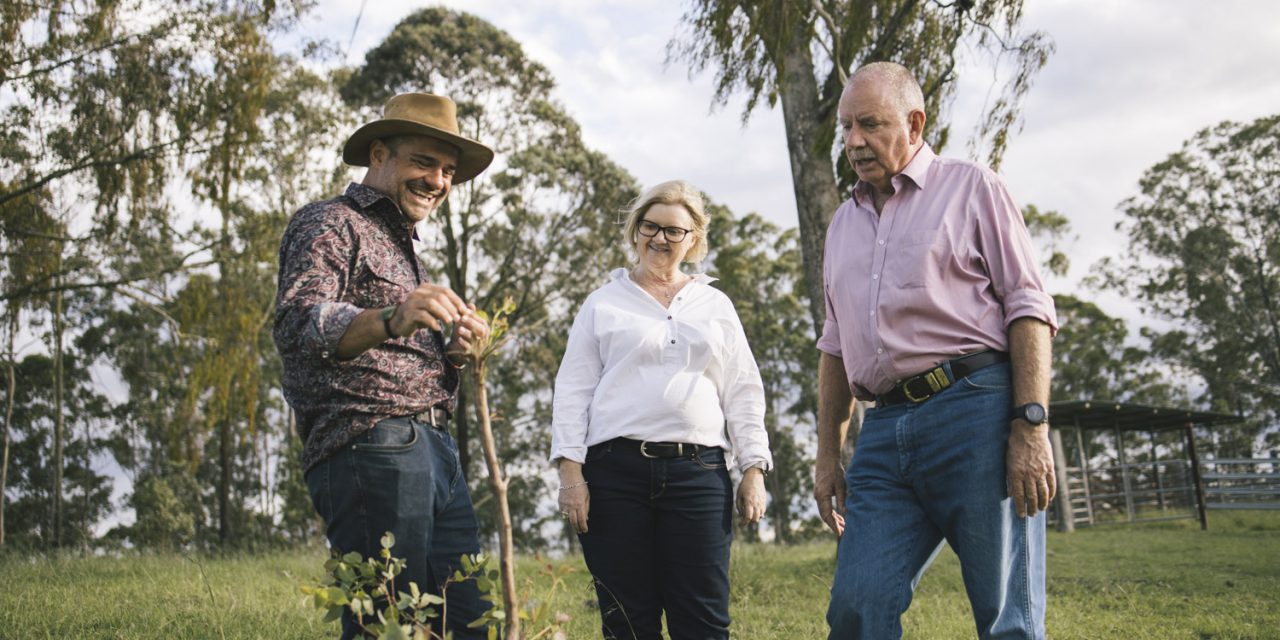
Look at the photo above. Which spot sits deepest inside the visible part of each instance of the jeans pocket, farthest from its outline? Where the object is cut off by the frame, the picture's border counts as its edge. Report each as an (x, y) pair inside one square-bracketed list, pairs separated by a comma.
[(711, 459), (992, 378), (597, 452), (388, 436)]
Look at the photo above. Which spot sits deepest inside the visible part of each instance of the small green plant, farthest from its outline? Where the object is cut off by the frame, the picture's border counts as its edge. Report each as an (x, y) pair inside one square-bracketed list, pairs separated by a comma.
[(367, 587)]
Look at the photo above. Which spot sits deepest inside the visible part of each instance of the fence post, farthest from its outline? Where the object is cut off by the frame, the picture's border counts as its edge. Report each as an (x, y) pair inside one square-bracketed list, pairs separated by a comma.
[(1066, 515), (1195, 474)]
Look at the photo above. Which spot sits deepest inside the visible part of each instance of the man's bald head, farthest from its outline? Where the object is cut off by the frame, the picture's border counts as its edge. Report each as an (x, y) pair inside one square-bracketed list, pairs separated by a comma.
[(896, 80)]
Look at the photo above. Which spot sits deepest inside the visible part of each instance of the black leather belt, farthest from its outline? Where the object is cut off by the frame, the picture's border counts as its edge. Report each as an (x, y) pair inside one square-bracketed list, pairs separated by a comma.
[(919, 388), (435, 416), (658, 449)]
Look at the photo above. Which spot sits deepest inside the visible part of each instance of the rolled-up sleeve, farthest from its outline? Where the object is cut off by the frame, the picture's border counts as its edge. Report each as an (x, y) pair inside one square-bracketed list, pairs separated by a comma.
[(576, 383), (742, 399), (314, 272), (1010, 258)]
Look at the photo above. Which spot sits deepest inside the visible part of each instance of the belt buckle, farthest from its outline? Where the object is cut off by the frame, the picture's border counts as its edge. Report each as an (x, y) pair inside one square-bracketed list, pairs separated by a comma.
[(645, 452), (936, 379)]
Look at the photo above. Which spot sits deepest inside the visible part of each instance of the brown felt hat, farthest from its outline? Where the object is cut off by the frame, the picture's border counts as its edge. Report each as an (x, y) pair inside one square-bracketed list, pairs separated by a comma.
[(420, 114)]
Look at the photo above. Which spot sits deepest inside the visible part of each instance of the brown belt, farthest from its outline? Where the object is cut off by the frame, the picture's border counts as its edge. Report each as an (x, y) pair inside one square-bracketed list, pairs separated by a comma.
[(919, 388), (435, 416)]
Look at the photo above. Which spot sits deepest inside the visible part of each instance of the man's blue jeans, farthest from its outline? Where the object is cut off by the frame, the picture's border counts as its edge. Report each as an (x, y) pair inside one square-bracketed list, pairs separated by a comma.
[(929, 472), (403, 476), (657, 541)]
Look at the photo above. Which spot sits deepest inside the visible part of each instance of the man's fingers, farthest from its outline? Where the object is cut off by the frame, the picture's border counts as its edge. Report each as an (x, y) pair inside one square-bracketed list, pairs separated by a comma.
[(1017, 494), (842, 494)]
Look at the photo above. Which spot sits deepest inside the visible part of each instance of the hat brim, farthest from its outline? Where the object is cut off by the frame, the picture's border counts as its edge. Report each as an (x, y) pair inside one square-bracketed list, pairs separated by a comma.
[(473, 157)]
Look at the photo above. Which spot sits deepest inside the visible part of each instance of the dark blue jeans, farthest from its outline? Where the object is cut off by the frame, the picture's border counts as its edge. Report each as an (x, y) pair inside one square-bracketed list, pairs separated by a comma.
[(658, 536), (403, 476), (929, 472)]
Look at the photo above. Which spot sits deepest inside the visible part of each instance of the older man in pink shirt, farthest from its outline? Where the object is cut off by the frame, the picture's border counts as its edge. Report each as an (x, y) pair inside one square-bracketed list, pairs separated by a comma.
[(935, 310)]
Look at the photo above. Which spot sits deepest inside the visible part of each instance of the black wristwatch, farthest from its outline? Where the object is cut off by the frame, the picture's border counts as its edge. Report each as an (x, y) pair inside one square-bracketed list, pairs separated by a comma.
[(1033, 412), (386, 314)]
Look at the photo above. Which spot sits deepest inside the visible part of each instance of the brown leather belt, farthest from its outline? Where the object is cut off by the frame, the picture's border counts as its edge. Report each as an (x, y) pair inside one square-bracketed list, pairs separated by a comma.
[(919, 388), (435, 416)]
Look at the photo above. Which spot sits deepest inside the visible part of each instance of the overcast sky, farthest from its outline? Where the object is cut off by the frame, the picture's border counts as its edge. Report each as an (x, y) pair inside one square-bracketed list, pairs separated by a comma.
[(1130, 81)]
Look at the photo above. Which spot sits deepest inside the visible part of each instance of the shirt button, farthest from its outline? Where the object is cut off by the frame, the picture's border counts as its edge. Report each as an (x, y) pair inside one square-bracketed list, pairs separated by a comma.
[(875, 276), (668, 317), (882, 243), (879, 350), (673, 342)]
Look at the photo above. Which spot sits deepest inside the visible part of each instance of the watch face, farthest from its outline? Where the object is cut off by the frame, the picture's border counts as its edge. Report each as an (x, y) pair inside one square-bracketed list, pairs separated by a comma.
[(1034, 413)]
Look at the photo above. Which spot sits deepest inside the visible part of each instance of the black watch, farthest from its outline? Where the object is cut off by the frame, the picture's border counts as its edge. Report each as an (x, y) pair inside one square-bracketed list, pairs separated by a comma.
[(1033, 412), (387, 314)]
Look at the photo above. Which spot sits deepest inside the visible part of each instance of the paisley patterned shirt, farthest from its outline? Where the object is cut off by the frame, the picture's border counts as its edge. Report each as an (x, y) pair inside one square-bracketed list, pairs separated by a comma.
[(338, 258)]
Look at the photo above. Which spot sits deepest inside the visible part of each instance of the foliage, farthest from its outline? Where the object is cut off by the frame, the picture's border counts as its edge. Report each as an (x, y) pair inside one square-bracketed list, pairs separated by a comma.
[(1204, 238), (367, 587), (800, 53), (759, 267)]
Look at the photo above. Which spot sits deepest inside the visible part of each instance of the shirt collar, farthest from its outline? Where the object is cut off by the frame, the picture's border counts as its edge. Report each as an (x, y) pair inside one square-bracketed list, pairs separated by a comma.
[(367, 198), (700, 278), (917, 171)]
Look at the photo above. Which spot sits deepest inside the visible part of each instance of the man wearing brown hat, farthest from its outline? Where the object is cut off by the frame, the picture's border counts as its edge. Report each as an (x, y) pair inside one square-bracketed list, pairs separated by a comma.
[(367, 365)]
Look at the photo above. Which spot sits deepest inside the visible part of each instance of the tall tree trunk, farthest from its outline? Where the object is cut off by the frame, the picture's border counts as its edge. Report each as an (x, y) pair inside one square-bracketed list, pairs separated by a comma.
[(8, 410), (812, 171), (58, 424), (506, 547), (224, 480)]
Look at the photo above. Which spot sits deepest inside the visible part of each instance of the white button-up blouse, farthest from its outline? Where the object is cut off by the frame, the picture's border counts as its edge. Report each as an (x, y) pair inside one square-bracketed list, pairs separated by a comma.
[(637, 370)]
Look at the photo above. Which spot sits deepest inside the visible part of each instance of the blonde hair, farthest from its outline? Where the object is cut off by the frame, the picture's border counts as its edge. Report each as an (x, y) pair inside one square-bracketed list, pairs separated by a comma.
[(670, 192)]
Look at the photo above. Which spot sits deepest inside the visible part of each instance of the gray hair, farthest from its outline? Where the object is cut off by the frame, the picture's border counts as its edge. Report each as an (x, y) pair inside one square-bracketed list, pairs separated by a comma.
[(903, 88), (670, 192)]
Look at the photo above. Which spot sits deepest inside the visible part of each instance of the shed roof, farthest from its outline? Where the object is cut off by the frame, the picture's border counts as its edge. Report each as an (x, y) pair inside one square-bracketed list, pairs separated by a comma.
[(1107, 414)]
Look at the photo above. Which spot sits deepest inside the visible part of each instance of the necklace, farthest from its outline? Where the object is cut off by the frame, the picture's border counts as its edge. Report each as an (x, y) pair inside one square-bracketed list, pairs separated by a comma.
[(666, 292)]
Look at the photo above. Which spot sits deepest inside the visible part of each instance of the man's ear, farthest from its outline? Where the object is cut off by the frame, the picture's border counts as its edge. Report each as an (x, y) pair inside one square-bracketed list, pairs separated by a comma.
[(378, 153), (915, 121)]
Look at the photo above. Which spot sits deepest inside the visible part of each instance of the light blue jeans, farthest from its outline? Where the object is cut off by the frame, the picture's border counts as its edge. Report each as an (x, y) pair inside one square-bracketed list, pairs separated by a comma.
[(927, 473)]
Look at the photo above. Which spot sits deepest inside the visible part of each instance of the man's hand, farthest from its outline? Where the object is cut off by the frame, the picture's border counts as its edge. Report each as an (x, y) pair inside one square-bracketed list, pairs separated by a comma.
[(830, 492), (428, 306), (751, 495), (1029, 462), (469, 329)]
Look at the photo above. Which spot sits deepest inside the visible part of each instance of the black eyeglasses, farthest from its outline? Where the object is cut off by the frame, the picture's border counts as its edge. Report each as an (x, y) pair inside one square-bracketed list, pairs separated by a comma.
[(673, 234)]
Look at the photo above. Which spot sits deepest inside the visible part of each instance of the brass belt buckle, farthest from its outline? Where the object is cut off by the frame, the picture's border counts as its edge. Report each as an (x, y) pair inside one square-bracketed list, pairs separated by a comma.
[(937, 381)]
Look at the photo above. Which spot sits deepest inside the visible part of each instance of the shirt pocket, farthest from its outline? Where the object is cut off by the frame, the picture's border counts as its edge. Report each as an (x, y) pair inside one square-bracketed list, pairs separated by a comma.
[(381, 284), (917, 258)]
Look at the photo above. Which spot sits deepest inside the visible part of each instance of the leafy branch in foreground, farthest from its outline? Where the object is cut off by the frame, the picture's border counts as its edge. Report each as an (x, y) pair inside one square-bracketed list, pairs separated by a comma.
[(366, 586)]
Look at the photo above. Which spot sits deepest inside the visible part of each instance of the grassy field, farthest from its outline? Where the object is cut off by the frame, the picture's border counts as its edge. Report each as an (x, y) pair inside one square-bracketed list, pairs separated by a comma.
[(1163, 581)]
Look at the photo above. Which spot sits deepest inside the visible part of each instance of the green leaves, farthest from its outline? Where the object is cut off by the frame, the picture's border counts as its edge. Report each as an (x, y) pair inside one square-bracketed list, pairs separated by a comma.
[(1204, 238), (363, 586)]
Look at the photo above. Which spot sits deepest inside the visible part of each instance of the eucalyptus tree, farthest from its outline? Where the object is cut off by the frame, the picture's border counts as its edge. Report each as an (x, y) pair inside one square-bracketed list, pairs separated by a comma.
[(759, 267), (539, 227), (1204, 255), (799, 53), (55, 507)]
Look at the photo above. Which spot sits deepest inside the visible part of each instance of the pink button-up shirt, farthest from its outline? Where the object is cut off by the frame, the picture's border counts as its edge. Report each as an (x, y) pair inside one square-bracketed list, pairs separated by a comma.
[(941, 272)]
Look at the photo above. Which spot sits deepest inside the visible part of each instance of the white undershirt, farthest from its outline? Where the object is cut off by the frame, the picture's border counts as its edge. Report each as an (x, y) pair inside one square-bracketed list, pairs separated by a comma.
[(680, 374)]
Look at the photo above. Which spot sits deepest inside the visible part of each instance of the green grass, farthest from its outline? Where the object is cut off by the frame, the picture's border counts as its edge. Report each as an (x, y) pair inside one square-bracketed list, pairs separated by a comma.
[(1162, 580)]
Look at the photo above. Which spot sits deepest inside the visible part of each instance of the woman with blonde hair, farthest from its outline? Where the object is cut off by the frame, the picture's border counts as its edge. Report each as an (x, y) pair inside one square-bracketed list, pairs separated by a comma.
[(657, 394)]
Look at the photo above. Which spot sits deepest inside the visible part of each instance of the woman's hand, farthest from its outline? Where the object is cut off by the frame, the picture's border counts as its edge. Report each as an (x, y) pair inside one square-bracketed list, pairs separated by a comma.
[(575, 500), (751, 495)]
